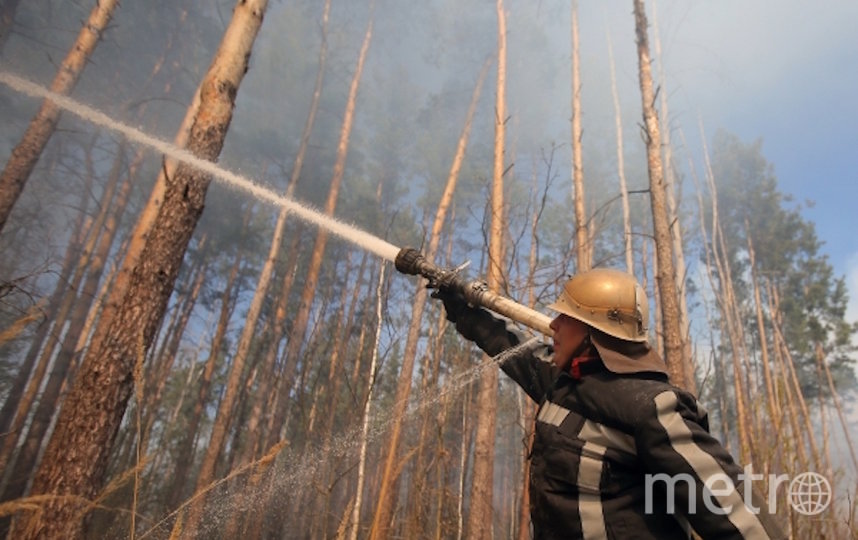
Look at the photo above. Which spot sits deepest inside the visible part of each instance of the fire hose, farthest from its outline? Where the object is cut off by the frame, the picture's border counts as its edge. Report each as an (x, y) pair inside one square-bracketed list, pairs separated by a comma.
[(410, 261)]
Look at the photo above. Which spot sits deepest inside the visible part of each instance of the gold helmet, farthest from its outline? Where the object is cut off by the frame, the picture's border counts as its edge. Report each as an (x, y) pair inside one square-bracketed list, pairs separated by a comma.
[(609, 300)]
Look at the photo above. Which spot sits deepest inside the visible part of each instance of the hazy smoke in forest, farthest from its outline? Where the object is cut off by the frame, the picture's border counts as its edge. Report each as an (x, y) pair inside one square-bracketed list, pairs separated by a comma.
[(367, 241)]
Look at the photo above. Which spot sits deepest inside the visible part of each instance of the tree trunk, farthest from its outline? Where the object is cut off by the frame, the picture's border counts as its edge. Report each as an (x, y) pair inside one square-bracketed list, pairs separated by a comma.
[(674, 218), (165, 365), (663, 242), (793, 380), (793, 439), (820, 356), (77, 454), (621, 166), (364, 437), (326, 388), (583, 247), (527, 408), (771, 398), (387, 493), (727, 305), (464, 450), (42, 126), (7, 20), (91, 264), (186, 447), (297, 167), (217, 439), (14, 402), (145, 221), (262, 286), (480, 517), (20, 474), (299, 326), (720, 378)]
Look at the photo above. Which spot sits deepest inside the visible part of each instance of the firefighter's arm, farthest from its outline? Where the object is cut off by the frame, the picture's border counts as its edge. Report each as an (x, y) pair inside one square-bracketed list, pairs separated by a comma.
[(526, 361), (695, 475)]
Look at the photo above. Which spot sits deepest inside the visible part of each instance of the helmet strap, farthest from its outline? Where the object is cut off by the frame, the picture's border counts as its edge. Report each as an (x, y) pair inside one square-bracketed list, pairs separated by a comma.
[(582, 362)]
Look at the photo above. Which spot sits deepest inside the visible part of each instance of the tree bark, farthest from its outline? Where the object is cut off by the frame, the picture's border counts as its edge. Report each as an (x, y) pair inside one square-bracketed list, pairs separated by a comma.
[(583, 247), (727, 305), (186, 446), (355, 520), (663, 242), (7, 20), (387, 492), (77, 455), (621, 166), (674, 219), (14, 401), (299, 326), (139, 235), (480, 517), (42, 126), (91, 265)]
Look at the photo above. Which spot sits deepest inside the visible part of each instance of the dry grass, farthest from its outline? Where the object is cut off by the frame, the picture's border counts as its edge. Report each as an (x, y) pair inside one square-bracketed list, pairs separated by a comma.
[(257, 466)]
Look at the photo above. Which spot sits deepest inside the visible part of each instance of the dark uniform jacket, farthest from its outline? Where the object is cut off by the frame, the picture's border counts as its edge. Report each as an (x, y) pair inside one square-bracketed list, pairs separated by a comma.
[(619, 456)]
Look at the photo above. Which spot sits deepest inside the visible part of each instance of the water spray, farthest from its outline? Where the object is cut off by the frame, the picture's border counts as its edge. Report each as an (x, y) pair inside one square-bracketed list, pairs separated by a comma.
[(412, 262), (407, 260), (226, 177)]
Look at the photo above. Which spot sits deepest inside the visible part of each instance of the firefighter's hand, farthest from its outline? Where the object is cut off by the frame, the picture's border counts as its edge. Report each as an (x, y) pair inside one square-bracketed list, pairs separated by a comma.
[(454, 303), (475, 323)]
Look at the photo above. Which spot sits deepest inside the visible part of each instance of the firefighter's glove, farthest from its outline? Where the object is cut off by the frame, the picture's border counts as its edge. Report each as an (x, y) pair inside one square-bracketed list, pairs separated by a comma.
[(475, 323), (454, 303)]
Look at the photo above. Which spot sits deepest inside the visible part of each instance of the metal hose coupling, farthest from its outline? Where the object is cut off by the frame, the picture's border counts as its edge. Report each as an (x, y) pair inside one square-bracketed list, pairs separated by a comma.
[(411, 262)]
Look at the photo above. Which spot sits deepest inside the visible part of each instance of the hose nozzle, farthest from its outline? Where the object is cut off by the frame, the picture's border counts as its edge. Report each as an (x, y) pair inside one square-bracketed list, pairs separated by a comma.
[(412, 262)]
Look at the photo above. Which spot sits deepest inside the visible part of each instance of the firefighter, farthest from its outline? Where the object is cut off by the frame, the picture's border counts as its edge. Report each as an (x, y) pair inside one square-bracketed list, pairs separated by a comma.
[(618, 451)]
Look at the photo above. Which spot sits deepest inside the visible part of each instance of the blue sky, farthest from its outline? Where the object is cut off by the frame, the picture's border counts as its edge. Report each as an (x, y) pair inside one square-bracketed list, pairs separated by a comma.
[(787, 73)]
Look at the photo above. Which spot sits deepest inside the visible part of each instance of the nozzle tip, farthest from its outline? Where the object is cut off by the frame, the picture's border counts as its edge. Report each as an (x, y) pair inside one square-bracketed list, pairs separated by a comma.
[(407, 261)]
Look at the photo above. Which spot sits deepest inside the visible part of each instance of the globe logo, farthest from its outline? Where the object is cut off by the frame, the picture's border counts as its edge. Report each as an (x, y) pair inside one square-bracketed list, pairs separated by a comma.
[(809, 493)]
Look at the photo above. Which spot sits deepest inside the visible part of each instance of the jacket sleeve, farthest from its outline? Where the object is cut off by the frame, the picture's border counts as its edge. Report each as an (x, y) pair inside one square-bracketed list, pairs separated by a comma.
[(693, 475), (525, 360)]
